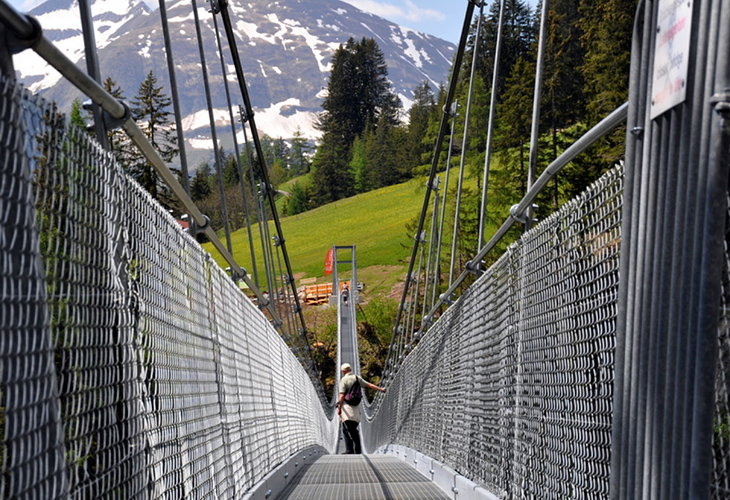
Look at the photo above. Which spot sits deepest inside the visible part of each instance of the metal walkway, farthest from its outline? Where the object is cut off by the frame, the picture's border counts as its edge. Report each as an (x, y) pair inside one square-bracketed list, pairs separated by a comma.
[(360, 477)]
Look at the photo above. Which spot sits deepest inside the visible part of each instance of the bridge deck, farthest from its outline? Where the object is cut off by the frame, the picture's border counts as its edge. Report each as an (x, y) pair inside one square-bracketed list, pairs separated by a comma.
[(360, 477)]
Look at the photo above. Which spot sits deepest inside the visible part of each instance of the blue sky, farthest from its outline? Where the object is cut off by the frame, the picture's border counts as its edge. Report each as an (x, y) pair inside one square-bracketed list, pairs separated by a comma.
[(442, 18)]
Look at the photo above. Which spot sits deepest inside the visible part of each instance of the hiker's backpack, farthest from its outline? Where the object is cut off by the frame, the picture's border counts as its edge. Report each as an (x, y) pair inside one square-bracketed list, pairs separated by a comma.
[(354, 395)]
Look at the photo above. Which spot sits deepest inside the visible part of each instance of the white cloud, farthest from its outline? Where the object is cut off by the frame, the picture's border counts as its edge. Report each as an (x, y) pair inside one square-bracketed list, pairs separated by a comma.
[(415, 13), (409, 11)]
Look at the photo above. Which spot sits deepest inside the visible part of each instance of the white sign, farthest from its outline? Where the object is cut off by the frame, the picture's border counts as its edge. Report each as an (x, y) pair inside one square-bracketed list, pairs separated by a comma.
[(671, 55)]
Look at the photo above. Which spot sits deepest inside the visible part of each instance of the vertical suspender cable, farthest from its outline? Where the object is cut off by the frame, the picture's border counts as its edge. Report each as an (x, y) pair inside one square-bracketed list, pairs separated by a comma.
[(490, 127), (214, 137), (257, 143), (452, 111), (175, 102), (92, 67), (266, 244), (464, 144), (254, 191), (431, 250), (235, 146), (535, 135), (437, 150)]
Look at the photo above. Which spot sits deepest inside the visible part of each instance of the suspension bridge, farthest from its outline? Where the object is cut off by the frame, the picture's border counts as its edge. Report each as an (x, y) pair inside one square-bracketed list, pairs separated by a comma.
[(590, 361)]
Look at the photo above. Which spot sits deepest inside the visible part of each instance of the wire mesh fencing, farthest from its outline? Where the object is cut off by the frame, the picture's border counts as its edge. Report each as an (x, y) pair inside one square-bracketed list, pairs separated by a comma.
[(132, 365), (512, 386), (720, 480)]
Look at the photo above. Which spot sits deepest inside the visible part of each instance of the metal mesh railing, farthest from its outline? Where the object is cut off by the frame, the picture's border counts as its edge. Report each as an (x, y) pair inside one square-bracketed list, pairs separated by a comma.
[(720, 480), (132, 366), (512, 386)]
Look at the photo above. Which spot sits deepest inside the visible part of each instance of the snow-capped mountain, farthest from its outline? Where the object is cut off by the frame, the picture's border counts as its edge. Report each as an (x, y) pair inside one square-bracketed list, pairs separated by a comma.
[(286, 47)]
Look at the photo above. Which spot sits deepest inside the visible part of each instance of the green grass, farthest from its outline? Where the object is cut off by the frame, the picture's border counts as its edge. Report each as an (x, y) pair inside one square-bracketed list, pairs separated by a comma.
[(374, 222)]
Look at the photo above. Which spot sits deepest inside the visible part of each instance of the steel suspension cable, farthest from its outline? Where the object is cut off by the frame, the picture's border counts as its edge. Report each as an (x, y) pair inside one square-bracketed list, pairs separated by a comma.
[(417, 288), (535, 133), (464, 143), (175, 102), (453, 112), (266, 243), (92, 66), (431, 242), (27, 33), (223, 7), (244, 196), (437, 149), (490, 126), (288, 311), (517, 212), (213, 134), (254, 190)]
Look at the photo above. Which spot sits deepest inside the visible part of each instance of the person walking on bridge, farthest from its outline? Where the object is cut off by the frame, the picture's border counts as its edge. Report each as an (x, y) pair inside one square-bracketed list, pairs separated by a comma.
[(348, 407)]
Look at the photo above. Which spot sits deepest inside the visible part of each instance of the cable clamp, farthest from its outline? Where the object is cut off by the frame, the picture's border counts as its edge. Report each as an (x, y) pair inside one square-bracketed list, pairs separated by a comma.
[(236, 277), (447, 299), (110, 123), (244, 114), (434, 184), (721, 100), (452, 110), (216, 5), (194, 227), (521, 217), (475, 267)]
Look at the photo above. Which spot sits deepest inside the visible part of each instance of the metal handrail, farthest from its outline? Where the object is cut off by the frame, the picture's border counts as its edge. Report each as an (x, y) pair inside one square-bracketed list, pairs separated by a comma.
[(29, 34), (517, 211)]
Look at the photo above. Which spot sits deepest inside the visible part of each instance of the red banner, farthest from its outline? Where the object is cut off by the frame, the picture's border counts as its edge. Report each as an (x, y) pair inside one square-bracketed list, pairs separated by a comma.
[(328, 261)]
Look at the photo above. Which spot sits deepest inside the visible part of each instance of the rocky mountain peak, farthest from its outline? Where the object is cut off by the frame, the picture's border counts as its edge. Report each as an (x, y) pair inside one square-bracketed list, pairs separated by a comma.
[(286, 47)]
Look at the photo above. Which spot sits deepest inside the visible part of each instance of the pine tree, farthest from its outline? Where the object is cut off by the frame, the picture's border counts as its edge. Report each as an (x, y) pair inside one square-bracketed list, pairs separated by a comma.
[(297, 202), (277, 173), (149, 110), (607, 27), (518, 35), (429, 137), (513, 138), (78, 115), (563, 102), (358, 94), (331, 177), (200, 187), (423, 107), (299, 162), (120, 144), (230, 168), (359, 163)]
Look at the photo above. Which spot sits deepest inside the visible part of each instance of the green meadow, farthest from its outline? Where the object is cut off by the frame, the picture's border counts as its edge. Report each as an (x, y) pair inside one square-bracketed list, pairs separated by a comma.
[(374, 222)]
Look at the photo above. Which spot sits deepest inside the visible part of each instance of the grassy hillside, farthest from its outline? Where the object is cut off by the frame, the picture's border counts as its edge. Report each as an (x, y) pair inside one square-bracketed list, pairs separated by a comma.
[(374, 222)]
